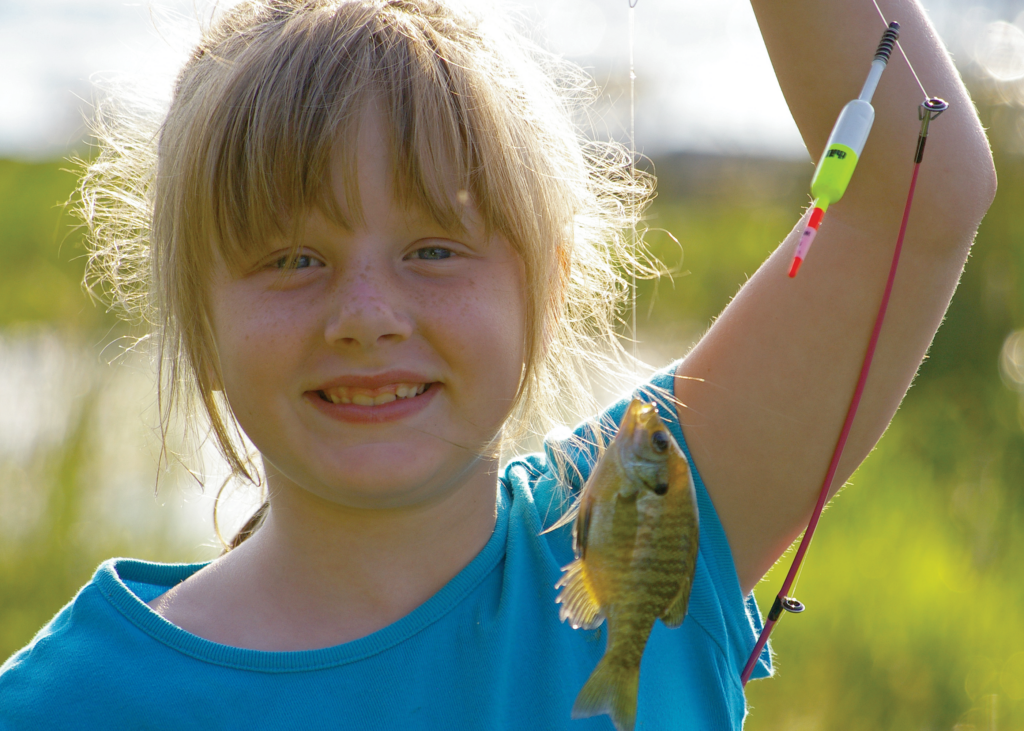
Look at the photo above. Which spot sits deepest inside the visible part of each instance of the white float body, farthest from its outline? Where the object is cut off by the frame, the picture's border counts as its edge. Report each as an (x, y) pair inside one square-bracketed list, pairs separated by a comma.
[(853, 126)]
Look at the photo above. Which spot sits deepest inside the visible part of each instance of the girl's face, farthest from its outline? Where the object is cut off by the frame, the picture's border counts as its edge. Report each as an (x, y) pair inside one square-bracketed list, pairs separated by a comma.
[(374, 368)]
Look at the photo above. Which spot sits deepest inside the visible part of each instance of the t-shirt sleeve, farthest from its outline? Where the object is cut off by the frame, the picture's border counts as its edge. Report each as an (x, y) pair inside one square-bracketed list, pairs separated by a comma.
[(717, 604)]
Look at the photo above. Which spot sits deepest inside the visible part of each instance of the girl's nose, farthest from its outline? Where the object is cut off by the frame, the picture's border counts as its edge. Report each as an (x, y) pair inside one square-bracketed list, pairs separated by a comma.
[(367, 312)]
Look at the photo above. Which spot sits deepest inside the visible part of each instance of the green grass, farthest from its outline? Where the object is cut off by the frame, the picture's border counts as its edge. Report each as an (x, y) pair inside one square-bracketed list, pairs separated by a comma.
[(40, 246)]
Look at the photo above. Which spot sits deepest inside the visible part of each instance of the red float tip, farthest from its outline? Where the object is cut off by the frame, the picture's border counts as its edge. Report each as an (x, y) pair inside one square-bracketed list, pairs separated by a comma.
[(797, 261)]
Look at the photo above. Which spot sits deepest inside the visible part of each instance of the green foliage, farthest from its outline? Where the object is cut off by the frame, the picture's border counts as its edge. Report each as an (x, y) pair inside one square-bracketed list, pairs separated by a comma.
[(40, 281), (914, 585), (57, 543)]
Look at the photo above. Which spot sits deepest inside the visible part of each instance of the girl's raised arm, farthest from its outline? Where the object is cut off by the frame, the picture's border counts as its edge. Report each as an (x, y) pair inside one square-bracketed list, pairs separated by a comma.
[(769, 385)]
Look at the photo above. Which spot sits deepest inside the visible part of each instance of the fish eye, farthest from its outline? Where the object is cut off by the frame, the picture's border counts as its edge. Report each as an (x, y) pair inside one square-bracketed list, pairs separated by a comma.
[(659, 440)]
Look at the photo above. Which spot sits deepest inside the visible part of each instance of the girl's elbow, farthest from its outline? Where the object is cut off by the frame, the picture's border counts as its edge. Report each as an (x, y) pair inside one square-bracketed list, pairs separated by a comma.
[(970, 189), (983, 192)]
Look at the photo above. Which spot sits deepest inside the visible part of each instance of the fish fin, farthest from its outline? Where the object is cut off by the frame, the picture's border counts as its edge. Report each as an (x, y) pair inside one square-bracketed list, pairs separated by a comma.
[(581, 528), (579, 605), (612, 689), (676, 612), (567, 517)]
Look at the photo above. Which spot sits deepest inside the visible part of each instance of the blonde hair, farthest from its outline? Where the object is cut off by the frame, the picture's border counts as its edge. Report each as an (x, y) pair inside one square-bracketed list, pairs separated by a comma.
[(274, 88)]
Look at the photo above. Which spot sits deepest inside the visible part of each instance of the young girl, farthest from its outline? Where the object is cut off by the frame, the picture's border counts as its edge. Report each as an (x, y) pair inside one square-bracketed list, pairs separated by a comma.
[(373, 242)]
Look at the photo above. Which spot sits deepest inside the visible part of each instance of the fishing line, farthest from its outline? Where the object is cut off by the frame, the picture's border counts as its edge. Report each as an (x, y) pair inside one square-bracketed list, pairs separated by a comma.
[(904, 53), (632, 181)]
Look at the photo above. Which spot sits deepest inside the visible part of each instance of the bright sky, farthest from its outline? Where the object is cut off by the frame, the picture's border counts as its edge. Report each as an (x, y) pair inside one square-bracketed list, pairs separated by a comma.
[(694, 61)]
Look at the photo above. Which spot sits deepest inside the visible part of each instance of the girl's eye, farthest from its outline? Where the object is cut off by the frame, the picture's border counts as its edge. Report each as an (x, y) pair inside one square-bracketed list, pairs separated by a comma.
[(432, 253), (301, 261)]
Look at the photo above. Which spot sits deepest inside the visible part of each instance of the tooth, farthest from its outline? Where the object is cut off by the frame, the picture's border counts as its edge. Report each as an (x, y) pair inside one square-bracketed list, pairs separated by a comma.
[(344, 400), (401, 391), (361, 399), (334, 399), (384, 398), (421, 388)]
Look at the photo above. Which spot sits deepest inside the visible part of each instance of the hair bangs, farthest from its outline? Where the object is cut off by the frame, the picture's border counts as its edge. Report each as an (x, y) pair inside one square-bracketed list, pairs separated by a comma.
[(269, 154), (291, 111)]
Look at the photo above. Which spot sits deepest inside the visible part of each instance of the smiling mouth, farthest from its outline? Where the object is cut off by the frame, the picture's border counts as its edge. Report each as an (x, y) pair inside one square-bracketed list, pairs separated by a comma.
[(372, 396)]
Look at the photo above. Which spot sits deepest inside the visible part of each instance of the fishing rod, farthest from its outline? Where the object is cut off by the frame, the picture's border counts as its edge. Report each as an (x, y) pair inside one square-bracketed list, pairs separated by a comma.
[(832, 176), (828, 185)]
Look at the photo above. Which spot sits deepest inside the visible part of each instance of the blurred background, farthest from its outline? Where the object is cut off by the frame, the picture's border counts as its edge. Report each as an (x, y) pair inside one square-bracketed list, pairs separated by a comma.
[(915, 584)]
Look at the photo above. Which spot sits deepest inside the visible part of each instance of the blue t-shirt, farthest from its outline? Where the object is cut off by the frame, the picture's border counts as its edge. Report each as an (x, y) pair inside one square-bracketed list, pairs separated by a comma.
[(486, 652)]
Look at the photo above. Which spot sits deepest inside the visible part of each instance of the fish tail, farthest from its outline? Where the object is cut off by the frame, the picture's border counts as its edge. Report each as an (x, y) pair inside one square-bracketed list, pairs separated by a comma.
[(611, 689)]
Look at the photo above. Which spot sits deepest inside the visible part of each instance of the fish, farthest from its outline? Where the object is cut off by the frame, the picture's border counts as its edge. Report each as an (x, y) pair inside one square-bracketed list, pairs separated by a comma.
[(635, 538)]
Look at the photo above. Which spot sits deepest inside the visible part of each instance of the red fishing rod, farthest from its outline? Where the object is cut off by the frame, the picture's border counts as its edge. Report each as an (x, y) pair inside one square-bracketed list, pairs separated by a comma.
[(929, 110)]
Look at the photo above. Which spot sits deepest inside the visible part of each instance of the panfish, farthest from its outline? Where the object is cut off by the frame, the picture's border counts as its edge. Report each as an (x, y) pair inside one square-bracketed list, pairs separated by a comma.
[(635, 539)]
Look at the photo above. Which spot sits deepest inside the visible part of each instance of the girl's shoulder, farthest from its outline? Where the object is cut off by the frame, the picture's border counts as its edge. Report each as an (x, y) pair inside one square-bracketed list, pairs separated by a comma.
[(87, 655), (543, 486)]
